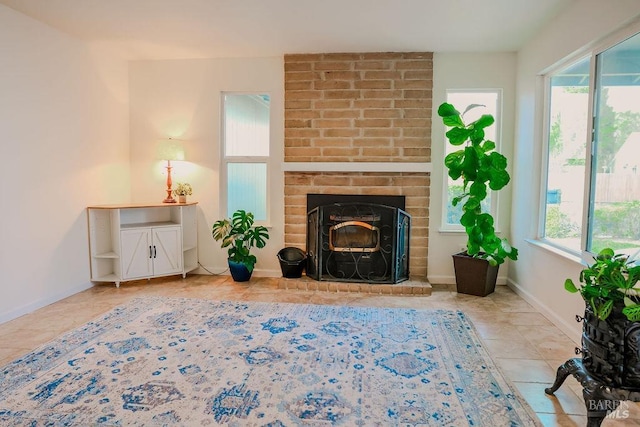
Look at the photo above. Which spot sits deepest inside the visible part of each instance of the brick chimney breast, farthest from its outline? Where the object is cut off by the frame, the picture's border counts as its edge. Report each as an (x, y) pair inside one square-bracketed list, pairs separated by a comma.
[(359, 107)]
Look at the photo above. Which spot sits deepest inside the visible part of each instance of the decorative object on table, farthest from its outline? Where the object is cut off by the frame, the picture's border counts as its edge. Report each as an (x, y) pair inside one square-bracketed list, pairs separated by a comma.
[(481, 169), (240, 236), (151, 362), (183, 189), (609, 369), (170, 149)]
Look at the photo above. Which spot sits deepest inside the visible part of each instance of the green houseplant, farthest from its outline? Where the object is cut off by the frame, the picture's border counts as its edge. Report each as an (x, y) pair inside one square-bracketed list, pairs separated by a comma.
[(610, 329), (611, 280), (240, 236), (481, 169)]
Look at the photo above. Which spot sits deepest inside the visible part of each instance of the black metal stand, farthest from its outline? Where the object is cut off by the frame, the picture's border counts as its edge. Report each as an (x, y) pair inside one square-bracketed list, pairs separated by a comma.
[(599, 399)]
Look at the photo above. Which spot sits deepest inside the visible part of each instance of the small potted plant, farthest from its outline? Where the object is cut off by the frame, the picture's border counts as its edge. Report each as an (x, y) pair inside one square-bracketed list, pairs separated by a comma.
[(240, 236), (611, 293), (481, 169), (183, 189), (609, 369), (610, 283)]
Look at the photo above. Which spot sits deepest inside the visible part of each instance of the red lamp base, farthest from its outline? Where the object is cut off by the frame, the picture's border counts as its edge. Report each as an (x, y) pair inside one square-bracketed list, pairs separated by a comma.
[(169, 198)]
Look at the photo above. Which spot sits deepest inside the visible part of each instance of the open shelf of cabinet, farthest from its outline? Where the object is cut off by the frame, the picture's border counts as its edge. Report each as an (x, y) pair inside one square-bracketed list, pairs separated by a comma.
[(107, 255), (137, 241)]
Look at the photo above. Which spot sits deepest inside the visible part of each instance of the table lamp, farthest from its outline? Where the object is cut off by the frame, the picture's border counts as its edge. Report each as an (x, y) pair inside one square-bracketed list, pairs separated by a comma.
[(170, 149)]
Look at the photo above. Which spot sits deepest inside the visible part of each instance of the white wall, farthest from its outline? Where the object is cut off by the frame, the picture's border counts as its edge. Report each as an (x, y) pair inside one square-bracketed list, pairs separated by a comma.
[(181, 99), (66, 127), (466, 71), (540, 273), (64, 145)]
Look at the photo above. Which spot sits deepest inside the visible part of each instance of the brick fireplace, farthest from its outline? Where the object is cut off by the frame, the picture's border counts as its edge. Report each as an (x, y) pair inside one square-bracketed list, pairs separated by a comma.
[(343, 110)]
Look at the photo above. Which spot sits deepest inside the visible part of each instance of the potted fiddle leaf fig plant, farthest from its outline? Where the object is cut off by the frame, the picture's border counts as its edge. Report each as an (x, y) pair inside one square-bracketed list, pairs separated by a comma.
[(480, 168), (240, 235)]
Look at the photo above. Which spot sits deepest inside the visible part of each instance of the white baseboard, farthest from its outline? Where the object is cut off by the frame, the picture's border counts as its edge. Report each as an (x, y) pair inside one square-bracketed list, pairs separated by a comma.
[(224, 271), (572, 330), (441, 280), (33, 306), (451, 280)]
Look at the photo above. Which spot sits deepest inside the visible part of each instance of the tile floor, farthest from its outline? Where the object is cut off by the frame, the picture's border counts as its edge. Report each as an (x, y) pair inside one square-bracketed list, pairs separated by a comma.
[(526, 346)]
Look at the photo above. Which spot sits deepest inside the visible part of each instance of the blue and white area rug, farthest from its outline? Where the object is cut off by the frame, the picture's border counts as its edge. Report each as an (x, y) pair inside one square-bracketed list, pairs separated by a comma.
[(187, 362)]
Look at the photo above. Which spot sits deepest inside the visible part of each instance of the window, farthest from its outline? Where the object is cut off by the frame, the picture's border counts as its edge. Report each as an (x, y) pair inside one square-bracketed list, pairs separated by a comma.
[(246, 153), (568, 113), (614, 202), (491, 102), (593, 155)]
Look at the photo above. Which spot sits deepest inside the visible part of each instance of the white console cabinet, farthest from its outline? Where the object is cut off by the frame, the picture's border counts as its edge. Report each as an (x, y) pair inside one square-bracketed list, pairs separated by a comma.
[(141, 241)]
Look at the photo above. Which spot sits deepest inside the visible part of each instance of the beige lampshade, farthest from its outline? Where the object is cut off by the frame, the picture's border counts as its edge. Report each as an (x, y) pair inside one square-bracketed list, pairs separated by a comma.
[(170, 149)]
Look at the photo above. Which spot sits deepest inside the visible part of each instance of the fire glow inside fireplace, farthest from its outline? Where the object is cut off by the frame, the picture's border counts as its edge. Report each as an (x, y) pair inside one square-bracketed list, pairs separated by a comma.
[(357, 240)]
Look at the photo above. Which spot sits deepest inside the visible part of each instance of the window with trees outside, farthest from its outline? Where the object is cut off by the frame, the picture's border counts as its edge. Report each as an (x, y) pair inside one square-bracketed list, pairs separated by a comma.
[(490, 101), (245, 154), (592, 197)]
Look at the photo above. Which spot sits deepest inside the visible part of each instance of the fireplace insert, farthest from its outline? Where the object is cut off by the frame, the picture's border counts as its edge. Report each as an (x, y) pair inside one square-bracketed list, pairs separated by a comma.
[(358, 242)]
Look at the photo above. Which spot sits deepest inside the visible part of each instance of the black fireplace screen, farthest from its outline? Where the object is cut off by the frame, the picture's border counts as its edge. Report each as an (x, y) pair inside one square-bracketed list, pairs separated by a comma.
[(358, 242)]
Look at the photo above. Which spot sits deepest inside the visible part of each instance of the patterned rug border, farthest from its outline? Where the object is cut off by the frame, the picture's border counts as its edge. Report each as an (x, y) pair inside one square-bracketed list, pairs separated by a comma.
[(49, 354)]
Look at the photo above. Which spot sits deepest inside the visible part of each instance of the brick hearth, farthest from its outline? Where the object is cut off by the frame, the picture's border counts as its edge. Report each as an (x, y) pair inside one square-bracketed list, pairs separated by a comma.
[(412, 287)]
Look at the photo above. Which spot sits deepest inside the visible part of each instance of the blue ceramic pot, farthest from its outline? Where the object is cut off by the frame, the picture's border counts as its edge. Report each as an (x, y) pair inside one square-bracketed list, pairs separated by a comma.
[(239, 271)]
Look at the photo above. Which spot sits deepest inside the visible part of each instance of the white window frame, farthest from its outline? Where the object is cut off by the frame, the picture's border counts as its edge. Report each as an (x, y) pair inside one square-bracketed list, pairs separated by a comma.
[(457, 228), (592, 52), (226, 160), (546, 125)]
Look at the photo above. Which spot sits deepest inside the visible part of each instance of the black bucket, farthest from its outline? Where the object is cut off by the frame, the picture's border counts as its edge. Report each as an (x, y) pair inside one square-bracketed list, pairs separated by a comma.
[(292, 262)]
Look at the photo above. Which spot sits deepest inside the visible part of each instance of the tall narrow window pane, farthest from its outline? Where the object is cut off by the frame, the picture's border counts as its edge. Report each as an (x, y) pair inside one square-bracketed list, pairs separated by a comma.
[(614, 215), (567, 138), (246, 153), (490, 102), (246, 130), (247, 188)]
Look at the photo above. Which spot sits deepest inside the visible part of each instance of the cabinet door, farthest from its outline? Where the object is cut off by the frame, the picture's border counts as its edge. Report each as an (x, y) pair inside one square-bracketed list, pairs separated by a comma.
[(167, 250), (136, 253)]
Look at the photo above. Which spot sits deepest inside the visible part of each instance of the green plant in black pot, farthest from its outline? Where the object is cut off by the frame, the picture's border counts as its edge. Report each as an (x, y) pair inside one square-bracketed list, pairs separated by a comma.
[(240, 235), (611, 280), (481, 169), (610, 331)]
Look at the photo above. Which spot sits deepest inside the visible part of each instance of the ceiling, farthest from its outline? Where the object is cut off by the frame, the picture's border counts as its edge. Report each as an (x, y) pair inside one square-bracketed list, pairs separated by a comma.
[(177, 29)]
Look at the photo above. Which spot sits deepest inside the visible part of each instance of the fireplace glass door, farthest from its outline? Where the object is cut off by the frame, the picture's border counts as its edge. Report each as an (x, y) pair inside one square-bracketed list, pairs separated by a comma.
[(354, 236)]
